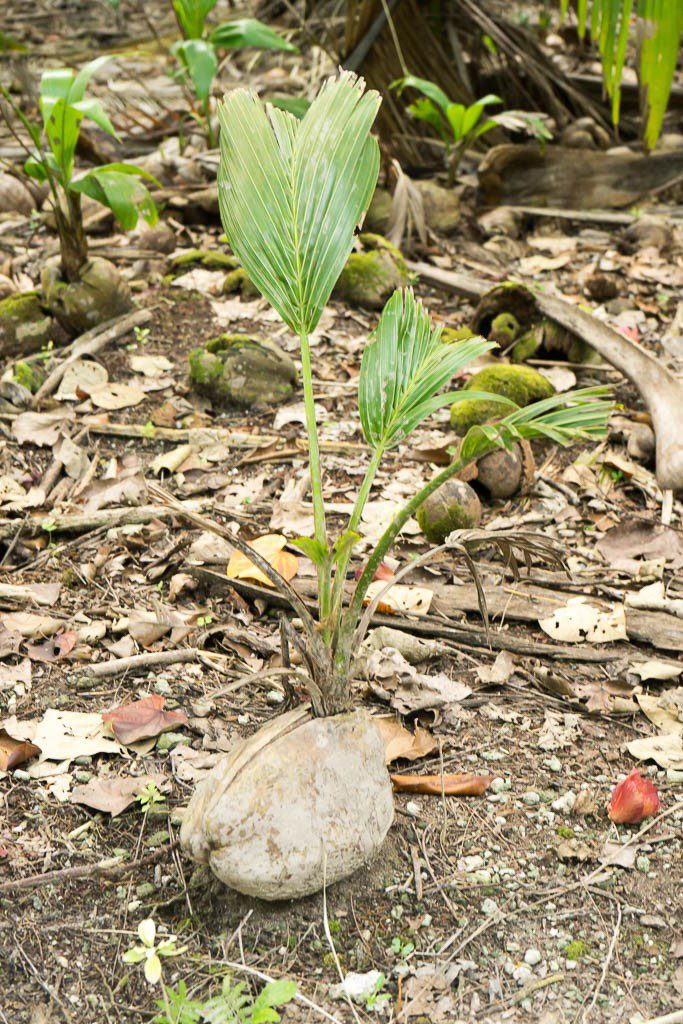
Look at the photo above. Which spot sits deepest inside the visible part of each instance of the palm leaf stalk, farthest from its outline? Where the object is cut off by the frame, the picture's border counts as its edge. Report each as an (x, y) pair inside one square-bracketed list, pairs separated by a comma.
[(291, 194)]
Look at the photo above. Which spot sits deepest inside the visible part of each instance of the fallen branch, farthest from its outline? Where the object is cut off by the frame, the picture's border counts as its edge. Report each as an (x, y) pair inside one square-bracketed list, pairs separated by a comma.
[(85, 522), (110, 868), (117, 666)]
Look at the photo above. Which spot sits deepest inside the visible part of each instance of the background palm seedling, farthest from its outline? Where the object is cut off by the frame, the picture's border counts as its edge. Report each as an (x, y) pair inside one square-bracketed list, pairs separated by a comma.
[(291, 194), (460, 126), (64, 106), (197, 51)]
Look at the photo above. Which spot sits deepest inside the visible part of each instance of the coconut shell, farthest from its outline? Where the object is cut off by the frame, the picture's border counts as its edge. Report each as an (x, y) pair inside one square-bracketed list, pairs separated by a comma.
[(302, 803)]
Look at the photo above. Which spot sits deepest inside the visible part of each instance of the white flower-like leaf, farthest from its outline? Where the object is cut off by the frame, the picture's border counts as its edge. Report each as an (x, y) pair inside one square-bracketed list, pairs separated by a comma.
[(147, 931), (153, 968)]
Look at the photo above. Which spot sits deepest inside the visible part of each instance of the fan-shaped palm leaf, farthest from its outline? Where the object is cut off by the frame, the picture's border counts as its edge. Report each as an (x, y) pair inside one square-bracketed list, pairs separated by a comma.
[(405, 367), (292, 192)]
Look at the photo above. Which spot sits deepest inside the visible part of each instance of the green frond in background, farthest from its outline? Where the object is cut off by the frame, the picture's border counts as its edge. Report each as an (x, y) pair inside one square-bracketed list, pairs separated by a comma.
[(657, 27)]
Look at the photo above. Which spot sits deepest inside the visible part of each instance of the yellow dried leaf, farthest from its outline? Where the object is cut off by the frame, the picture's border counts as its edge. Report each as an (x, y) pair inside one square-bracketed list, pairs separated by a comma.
[(271, 548)]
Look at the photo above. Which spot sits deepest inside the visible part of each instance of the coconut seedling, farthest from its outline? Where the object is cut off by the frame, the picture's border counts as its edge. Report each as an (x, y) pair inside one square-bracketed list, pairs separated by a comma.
[(306, 800), (197, 51), (64, 106)]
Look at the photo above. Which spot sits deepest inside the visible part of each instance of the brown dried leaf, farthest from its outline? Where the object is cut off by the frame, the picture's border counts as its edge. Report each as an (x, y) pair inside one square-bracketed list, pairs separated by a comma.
[(435, 785), (114, 795), (15, 752), (400, 742), (53, 649), (142, 719)]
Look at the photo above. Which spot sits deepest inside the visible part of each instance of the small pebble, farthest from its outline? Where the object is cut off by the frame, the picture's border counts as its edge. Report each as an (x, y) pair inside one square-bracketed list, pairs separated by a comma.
[(522, 975), (531, 798), (553, 764), (642, 862), (489, 907), (20, 775), (565, 803), (498, 785), (413, 809), (532, 957)]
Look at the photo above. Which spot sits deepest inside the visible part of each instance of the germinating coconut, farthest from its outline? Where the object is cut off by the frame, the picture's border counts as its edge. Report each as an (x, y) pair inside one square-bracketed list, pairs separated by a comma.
[(302, 803)]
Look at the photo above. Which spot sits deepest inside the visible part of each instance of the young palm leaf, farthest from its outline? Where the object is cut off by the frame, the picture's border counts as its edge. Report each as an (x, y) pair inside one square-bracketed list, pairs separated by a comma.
[(404, 368), (292, 192)]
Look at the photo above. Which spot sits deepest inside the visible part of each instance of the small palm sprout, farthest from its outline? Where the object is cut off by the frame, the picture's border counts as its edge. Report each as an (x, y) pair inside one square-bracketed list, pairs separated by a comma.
[(291, 194)]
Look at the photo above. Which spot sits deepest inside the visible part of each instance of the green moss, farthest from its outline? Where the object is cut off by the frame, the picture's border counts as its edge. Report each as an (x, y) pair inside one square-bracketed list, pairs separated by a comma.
[(520, 384), (453, 506), (239, 281), (28, 376), (565, 832), (69, 578), (504, 329), (370, 277), (527, 346), (207, 258), (226, 341), (22, 306), (453, 335), (576, 949), (205, 367)]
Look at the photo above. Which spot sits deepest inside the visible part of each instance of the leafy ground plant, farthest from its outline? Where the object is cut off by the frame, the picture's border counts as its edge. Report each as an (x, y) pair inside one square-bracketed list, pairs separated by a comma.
[(232, 1005), (64, 106), (197, 51), (291, 194), (460, 126)]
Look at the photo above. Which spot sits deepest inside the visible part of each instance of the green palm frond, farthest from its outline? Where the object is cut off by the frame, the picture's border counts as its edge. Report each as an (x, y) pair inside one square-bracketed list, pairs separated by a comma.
[(404, 367), (562, 418), (658, 27), (292, 192)]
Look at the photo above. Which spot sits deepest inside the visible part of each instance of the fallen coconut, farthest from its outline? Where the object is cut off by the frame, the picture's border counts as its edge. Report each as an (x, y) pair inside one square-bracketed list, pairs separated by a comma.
[(453, 506), (99, 294), (238, 370), (520, 384), (302, 803), (506, 472), (371, 276)]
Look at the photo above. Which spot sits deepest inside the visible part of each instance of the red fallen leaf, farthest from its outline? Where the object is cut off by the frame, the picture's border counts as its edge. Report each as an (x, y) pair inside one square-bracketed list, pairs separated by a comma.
[(382, 572), (15, 752), (451, 785), (633, 799), (142, 719), (53, 649)]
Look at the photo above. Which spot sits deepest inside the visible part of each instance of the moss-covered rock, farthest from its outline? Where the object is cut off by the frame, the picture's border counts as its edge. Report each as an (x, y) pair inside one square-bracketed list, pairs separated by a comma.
[(239, 281), (98, 295), (238, 370), (370, 277), (520, 384), (25, 324), (453, 506), (454, 335), (552, 339), (504, 329), (209, 258), (28, 376)]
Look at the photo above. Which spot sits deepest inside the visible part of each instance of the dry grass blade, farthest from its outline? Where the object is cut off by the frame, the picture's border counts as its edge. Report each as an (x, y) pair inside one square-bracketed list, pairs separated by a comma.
[(512, 544)]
